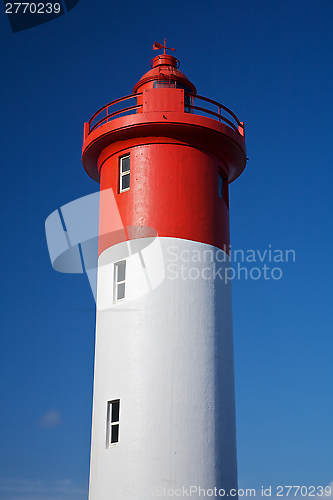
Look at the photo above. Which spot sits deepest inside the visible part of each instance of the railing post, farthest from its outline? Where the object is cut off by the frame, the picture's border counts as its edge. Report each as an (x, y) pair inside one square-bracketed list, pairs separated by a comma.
[(85, 130), (241, 129)]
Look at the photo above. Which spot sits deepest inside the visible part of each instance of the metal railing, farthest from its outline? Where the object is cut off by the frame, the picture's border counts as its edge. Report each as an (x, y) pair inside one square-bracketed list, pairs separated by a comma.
[(104, 115), (222, 113)]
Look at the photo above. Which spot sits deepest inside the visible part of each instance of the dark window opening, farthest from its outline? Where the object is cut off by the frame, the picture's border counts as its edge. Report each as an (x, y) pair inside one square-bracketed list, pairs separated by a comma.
[(115, 411), (223, 187), (115, 433), (113, 422), (188, 102), (171, 84)]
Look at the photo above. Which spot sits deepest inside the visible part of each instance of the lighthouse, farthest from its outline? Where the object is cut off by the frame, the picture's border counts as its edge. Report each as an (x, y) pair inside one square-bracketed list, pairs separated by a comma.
[(164, 400)]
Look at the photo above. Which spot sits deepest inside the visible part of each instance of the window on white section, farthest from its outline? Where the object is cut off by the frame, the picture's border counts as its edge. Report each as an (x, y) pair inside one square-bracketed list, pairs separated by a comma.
[(119, 280), (112, 433), (124, 173)]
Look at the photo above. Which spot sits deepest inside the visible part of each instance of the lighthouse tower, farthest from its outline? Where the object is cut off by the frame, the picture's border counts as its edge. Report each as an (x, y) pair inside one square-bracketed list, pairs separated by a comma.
[(164, 404)]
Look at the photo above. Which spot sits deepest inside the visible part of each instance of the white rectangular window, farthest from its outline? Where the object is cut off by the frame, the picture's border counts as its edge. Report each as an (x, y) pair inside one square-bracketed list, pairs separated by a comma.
[(113, 413), (119, 280), (124, 173)]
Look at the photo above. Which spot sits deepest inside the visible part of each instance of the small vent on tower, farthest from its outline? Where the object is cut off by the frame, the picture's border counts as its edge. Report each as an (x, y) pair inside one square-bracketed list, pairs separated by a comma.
[(113, 413)]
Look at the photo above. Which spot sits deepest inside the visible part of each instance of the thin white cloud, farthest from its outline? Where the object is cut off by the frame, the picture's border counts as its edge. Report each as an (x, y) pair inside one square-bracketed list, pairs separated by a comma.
[(50, 419), (11, 489)]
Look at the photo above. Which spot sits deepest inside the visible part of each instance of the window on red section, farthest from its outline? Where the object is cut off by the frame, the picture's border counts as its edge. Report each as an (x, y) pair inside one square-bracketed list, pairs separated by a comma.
[(124, 173), (223, 187)]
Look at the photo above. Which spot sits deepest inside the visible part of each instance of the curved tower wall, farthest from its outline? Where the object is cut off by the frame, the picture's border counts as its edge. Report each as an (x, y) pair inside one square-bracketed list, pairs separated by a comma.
[(164, 345)]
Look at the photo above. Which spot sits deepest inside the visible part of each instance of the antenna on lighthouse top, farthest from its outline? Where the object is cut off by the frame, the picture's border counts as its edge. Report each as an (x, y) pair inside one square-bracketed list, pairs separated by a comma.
[(159, 46)]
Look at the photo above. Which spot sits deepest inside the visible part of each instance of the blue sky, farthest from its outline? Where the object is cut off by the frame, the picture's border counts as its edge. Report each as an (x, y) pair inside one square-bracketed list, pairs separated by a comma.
[(271, 63)]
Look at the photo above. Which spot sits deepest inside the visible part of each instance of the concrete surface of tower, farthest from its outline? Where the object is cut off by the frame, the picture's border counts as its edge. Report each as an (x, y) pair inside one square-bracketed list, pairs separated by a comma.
[(164, 404)]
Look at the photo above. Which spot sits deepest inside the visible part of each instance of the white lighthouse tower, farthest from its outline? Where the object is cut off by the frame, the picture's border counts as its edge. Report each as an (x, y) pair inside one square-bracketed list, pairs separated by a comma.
[(164, 404)]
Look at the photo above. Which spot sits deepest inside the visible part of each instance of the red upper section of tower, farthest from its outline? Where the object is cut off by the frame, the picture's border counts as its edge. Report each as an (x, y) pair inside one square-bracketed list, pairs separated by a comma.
[(180, 146), (165, 104)]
